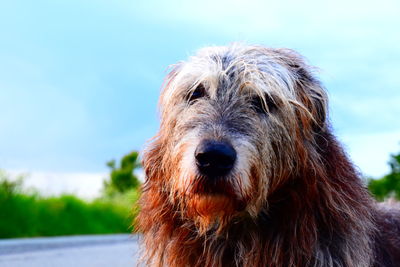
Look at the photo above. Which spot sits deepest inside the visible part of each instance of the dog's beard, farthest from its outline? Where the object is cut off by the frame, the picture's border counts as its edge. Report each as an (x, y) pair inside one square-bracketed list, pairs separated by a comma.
[(211, 204), (210, 211)]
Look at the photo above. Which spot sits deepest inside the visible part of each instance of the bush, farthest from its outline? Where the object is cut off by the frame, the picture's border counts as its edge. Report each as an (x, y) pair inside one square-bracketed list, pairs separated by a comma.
[(29, 214), (389, 185), (122, 178)]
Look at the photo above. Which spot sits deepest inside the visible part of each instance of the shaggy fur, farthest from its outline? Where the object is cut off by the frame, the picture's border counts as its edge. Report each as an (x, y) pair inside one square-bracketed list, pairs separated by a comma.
[(293, 197)]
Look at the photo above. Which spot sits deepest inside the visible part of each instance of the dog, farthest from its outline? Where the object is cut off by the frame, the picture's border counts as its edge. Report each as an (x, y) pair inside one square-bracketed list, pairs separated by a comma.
[(245, 171)]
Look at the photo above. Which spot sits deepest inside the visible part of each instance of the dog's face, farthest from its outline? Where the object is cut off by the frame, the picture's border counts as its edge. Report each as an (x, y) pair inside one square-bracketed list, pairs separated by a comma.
[(233, 121)]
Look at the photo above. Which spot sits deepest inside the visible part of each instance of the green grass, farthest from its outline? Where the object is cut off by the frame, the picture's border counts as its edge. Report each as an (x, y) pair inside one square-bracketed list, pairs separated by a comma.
[(24, 214)]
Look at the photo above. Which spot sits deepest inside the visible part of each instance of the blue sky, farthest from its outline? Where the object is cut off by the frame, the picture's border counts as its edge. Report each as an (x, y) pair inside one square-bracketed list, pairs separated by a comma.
[(79, 80)]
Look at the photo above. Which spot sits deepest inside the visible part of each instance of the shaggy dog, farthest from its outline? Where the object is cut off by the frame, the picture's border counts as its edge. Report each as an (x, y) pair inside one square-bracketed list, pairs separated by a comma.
[(245, 171)]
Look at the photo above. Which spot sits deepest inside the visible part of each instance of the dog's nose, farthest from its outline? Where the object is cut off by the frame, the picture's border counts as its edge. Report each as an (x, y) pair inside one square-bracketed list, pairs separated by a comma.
[(215, 158)]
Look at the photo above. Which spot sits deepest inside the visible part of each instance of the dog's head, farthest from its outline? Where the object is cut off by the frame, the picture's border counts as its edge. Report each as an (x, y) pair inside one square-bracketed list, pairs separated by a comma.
[(236, 123)]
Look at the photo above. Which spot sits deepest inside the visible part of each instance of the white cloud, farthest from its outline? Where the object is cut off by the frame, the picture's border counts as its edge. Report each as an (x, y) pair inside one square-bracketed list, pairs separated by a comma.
[(85, 185), (82, 184), (371, 152)]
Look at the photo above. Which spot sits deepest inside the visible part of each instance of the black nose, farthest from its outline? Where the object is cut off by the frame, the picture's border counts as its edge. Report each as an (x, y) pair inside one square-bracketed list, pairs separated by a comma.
[(215, 158)]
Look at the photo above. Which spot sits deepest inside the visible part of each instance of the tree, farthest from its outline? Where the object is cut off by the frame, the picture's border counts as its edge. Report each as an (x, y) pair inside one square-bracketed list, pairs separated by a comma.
[(389, 185), (8, 186), (123, 178)]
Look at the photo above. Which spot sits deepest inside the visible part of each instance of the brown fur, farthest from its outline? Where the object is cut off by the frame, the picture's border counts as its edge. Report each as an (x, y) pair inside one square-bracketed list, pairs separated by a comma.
[(293, 199)]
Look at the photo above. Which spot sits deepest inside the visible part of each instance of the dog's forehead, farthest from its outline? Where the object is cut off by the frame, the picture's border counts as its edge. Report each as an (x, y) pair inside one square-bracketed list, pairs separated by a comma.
[(237, 58), (241, 65), (239, 70)]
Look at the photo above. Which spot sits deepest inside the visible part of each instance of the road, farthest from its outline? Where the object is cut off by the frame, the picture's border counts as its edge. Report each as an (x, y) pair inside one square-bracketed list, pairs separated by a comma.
[(99, 250)]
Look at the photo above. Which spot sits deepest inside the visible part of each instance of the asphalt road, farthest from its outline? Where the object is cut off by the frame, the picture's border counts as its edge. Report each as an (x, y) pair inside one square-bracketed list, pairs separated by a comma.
[(98, 250)]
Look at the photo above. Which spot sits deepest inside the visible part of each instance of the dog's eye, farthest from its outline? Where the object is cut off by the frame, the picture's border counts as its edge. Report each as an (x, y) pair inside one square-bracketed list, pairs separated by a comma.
[(259, 106), (197, 93)]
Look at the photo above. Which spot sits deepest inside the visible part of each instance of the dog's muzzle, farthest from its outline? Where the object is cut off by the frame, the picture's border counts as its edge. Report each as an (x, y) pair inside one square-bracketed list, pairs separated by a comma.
[(215, 158)]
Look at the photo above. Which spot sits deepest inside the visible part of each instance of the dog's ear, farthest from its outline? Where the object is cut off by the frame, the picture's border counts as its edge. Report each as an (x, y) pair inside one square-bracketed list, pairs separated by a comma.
[(309, 90), (313, 96), (168, 84), (152, 157), (320, 107)]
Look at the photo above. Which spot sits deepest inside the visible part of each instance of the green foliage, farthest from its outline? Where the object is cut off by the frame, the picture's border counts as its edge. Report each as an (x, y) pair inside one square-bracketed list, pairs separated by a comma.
[(126, 200), (389, 185), (28, 214), (122, 178), (8, 187)]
